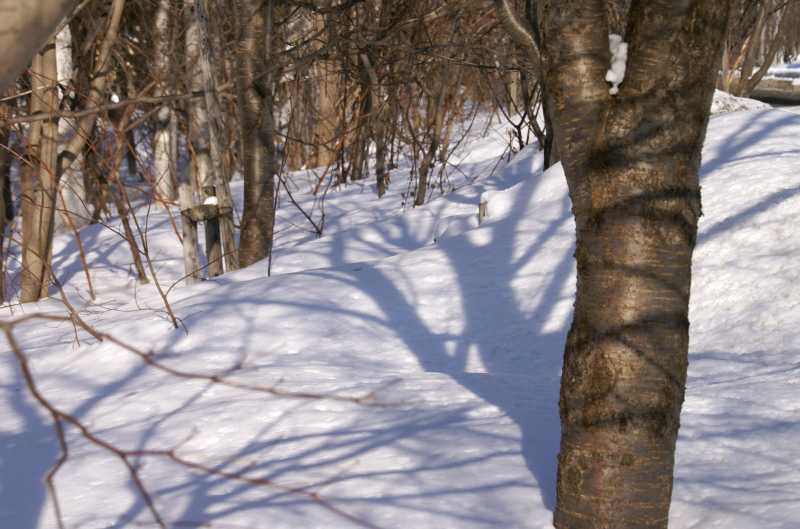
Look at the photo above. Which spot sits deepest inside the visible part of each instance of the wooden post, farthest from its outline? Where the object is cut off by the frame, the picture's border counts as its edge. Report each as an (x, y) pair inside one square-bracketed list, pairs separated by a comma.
[(483, 208), (191, 261), (209, 215), (213, 239)]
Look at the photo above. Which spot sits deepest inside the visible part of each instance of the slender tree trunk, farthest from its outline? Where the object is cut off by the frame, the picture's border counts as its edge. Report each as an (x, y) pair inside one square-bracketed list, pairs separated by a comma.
[(42, 186), (632, 163), (6, 200), (255, 94), (96, 181), (120, 197), (435, 117), (377, 127), (47, 165), (164, 157), (221, 188), (72, 199), (85, 125), (200, 150)]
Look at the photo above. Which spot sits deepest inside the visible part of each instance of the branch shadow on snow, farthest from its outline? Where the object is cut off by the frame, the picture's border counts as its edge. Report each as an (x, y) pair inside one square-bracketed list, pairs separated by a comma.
[(27, 456), (523, 361), (518, 383), (518, 375)]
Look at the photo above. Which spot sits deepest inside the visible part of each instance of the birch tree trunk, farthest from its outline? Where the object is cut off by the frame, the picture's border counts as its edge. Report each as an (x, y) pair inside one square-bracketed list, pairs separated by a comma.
[(198, 139), (221, 187), (84, 126), (164, 155), (72, 198)]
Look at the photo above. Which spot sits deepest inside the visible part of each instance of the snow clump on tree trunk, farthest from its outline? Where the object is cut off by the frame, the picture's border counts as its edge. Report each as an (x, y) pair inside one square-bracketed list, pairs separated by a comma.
[(619, 58)]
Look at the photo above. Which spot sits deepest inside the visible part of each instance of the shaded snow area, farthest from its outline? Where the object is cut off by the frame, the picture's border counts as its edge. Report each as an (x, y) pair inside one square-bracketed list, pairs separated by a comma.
[(788, 70), (724, 102), (458, 342)]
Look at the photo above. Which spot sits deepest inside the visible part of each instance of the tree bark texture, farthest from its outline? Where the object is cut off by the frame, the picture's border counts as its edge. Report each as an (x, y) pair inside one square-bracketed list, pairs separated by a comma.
[(632, 163), (46, 164), (256, 95), (39, 195), (199, 142), (164, 155), (329, 93), (221, 188)]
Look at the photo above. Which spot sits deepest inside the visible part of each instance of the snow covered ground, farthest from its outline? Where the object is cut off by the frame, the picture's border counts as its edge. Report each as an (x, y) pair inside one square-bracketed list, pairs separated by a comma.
[(459, 343), (788, 70), (725, 102)]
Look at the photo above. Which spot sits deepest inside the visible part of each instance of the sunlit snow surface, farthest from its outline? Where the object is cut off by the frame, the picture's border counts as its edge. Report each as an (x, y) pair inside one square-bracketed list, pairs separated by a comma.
[(460, 340)]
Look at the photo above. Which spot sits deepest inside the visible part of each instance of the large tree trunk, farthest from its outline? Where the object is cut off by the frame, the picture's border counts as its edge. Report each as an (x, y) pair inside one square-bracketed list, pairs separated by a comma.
[(632, 163), (256, 96), (328, 124)]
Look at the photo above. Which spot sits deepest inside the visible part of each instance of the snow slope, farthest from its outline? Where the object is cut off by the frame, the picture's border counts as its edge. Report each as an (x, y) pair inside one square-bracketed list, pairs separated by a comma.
[(459, 341), (724, 102)]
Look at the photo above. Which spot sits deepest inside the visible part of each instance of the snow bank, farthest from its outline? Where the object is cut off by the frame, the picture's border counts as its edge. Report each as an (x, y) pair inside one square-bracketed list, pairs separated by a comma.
[(725, 102), (462, 340)]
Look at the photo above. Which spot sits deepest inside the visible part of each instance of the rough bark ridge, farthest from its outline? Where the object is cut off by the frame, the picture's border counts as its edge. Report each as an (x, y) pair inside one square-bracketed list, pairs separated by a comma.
[(632, 164)]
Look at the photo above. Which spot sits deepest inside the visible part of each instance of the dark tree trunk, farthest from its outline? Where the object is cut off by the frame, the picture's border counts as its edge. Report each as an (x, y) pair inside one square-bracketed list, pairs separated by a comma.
[(256, 95), (632, 164), (6, 200), (434, 117)]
